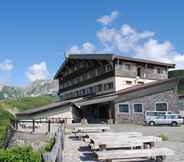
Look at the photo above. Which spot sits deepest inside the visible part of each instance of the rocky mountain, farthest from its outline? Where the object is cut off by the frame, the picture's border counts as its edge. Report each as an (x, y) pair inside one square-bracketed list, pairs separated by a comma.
[(37, 88)]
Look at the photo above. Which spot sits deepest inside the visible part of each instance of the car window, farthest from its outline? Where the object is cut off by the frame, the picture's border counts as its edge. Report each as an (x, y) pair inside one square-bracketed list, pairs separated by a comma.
[(179, 116), (160, 113), (150, 113), (170, 117), (174, 116), (161, 117)]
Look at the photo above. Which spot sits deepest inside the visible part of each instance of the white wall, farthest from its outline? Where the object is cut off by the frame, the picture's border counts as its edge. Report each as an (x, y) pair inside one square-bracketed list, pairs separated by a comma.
[(120, 82)]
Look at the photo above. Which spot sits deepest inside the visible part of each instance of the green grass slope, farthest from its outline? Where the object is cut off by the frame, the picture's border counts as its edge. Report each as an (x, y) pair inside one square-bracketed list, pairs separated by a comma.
[(9, 107), (180, 75)]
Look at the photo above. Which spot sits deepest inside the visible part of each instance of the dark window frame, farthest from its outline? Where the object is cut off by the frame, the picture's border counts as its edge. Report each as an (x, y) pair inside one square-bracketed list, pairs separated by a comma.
[(120, 107), (137, 111), (158, 109)]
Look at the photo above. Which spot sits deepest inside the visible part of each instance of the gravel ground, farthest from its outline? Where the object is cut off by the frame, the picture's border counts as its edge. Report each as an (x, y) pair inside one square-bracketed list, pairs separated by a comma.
[(175, 135), (76, 150)]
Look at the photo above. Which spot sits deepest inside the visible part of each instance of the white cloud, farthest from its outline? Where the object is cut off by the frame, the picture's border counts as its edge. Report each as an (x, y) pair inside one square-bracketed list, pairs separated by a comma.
[(6, 65), (130, 42), (164, 52), (124, 39), (87, 47), (179, 60), (108, 19), (37, 72), (154, 50)]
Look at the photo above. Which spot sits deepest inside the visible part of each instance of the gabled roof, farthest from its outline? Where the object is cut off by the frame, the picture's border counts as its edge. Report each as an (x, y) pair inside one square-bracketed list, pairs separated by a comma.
[(47, 107), (110, 57), (146, 85)]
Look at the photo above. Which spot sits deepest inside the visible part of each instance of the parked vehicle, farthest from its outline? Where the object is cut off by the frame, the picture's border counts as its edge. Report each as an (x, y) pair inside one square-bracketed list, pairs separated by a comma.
[(149, 115), (160, 118)]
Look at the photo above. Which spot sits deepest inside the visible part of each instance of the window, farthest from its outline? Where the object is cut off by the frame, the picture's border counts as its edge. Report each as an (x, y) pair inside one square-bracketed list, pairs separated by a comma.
[(108, 86), (100, 70), (172, 116), (129, 82), (78, 79), (80, 92), (161, 106), (150, 66), (127, 66), (140, 83), (160, 71), (81, 78), (90, 90), (64, 85), (92, 74), (75, 94), (98, 88), (123, 108), (138, 108), (120, 62), (108, 68), (139, 72), (83, 91)]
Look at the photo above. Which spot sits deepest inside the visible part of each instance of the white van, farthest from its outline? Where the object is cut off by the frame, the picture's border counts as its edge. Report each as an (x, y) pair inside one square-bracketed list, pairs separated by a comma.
[(162, 117)]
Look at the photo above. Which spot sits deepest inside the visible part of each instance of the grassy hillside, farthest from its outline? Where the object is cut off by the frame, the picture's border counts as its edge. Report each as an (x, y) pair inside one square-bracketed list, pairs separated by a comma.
[(16, 106), (180, 75)]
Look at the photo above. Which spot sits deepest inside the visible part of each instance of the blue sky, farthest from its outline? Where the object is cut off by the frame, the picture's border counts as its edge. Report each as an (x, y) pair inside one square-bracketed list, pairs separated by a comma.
[(35, 34)]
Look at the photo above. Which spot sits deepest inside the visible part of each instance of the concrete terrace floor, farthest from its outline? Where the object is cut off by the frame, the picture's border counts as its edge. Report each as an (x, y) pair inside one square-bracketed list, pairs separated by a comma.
[(77, 151)]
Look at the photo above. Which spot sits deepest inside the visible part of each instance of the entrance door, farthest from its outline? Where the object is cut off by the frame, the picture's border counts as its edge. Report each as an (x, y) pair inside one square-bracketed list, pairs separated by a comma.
[(139, 72), (103, 112)]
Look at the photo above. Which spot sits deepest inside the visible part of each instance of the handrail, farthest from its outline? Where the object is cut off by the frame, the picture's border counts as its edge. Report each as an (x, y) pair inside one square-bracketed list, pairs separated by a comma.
[(55, 155)]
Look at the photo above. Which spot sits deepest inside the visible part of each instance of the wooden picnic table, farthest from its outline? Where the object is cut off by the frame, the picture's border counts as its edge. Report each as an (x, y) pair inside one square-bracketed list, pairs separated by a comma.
[(114, 134), (91, 129), (158, 154), (84, 131), (109, 142), (88, 136)]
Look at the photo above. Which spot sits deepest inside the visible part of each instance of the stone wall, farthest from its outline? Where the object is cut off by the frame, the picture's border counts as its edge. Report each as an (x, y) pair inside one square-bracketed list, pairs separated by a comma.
[(149, 104)]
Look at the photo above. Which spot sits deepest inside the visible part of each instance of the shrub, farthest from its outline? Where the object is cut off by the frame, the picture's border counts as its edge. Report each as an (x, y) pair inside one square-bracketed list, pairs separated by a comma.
[(164, 137), (5, 118), (20, 104), (20, 154), (48, 147)]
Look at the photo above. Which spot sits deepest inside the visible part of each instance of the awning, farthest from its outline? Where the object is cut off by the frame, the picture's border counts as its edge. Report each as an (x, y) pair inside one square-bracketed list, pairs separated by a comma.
[(96, 100)]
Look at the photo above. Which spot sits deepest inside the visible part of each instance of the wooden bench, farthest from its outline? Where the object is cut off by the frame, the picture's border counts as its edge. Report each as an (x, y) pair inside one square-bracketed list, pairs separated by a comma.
[(158, 154)]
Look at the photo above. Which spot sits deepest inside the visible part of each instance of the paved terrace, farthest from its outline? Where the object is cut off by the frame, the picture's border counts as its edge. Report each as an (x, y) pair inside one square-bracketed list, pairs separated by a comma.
[(77, 151)]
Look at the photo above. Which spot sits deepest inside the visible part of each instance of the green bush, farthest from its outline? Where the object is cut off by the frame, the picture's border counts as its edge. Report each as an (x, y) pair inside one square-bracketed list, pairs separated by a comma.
[(5, 119), (48, 147), (20, 104), (176, 74), (20, 154), (164, 137), (29, 102), (179, 74)]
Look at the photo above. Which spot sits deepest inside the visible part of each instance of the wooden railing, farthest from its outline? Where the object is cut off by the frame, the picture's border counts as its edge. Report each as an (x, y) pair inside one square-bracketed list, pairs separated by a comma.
[(56, 154)]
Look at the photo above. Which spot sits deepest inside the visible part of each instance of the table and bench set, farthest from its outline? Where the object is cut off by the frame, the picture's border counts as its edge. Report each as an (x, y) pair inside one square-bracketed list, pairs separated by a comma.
[(121, 146)]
